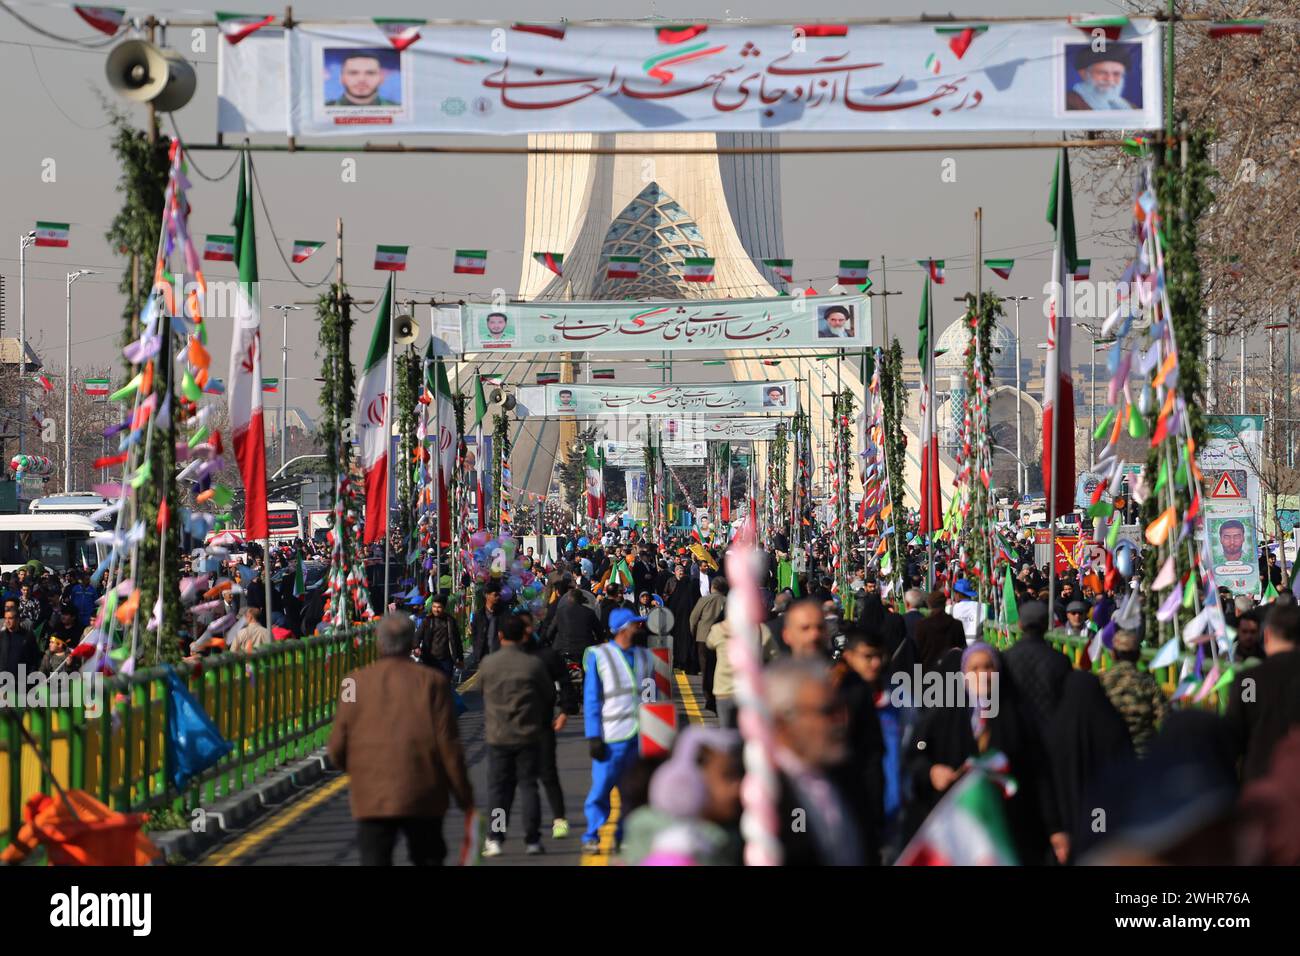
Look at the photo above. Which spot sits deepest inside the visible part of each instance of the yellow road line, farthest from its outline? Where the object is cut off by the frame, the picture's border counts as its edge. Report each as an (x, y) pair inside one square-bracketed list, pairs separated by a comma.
[(280, 821), (606, 834), (691, 705)]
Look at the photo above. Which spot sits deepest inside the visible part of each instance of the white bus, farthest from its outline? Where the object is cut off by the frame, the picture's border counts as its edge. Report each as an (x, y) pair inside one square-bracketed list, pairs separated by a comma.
[(59, 541), (284, 521), (73, 503)]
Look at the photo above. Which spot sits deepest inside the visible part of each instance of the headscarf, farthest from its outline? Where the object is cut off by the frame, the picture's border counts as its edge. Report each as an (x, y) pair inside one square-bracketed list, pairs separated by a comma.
[(983, 699)]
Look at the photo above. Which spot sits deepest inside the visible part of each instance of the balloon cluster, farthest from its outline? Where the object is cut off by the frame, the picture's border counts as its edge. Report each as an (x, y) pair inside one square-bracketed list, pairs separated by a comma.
[(38, 465), (496, 559)]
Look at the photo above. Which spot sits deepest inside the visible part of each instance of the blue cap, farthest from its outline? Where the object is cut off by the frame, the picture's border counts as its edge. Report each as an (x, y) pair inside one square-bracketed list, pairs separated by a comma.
[(964, 587), (621, 617)]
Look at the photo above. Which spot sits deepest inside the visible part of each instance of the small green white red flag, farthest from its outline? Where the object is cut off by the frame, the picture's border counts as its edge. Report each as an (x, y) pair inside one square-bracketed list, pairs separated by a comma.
[(1001, 267), (219, 248), (853, 271), (304, 249), (697, 269), (270, 384), (934, 267), (235, 26), (43, 380), (471, 262), (1082, 269), (96, 386), (391, 258), (52, 234), (1228, 28), (784, 268), (548, 378), (623, 267), (602, 373), (107, 20), (399, 31), (554, 261), (967, 828)]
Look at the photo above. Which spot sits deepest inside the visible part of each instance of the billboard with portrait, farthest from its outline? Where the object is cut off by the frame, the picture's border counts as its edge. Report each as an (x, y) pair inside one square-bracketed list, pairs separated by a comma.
[(1233, 542)]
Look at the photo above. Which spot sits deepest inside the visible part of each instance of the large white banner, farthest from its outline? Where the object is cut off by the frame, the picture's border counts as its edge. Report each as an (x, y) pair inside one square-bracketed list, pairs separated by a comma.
[(773, 398), (783, 322), (339, 80), (623, 454), (721, 429)]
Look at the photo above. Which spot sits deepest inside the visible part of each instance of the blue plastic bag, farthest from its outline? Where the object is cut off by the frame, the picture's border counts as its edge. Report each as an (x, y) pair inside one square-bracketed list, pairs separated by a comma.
[(193, 742)]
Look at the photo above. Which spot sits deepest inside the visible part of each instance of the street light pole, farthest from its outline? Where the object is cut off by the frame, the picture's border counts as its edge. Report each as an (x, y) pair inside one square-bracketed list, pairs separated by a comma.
[(284, 311), (67, 381), (28, 239), (1022, 473)]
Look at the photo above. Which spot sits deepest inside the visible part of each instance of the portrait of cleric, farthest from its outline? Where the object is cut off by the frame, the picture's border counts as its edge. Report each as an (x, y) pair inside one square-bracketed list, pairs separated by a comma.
[(1109, 78)]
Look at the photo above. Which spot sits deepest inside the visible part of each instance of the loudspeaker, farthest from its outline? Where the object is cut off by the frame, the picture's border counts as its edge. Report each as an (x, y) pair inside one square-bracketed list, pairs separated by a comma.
[(405, 330), (510, 402), (496, 397), (142, 72)]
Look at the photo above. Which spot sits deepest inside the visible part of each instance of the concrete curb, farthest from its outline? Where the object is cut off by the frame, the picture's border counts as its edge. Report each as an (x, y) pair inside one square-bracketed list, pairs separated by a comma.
[(214, 824)]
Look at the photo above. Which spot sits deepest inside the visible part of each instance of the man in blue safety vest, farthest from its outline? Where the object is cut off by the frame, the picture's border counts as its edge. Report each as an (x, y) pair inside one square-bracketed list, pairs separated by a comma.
[(619, 677)]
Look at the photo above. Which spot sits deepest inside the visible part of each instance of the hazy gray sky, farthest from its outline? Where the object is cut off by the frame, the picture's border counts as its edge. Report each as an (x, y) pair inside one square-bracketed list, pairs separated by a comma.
[(836, 206)]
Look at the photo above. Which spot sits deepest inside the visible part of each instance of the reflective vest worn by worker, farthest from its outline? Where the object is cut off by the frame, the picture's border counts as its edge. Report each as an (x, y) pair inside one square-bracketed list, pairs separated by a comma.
[(623, 688)]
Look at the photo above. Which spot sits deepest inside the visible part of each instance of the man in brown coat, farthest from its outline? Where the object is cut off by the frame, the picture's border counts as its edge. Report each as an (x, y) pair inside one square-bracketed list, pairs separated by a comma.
[(395, 734)]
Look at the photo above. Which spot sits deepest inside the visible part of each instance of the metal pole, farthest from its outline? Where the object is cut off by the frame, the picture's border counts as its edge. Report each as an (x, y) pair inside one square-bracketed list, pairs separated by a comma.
[(1022, 476), (284, 382), (1270, 436), (1241, 381), (1290, 451), (934, 479), (388, 444), (23, 243), (1092, 398), (67, 384)]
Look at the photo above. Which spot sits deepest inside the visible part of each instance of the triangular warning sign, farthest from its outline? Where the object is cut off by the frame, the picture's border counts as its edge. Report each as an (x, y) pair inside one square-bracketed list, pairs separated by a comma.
[(1226, 488)]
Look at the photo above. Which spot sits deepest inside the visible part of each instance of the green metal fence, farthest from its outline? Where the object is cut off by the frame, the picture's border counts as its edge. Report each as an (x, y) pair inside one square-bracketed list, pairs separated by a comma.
[(275, 705)]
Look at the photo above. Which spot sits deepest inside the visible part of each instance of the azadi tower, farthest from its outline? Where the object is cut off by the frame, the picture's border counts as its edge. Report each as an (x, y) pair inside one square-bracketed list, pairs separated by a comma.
[(663, 209)]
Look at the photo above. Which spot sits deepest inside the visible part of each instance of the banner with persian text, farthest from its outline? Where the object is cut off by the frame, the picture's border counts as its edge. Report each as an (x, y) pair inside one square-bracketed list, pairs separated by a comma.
[(773, 398), (784, 322), (348, 79), (621, 454), (722, 429)]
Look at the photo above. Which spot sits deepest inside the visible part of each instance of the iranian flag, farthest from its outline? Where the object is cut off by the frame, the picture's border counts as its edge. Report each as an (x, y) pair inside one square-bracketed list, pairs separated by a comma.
[(931, 500), (270, 385), (603, 373), (554, 261), (219, 248), (107, 20), (52, 234), (471, 262), (967, 828), (244, 396), (373, 420), (304, 249), (391, 258), (623, 267), (235, 26), (548, 378), (96, 386), (784, 268), (445, 414), (1058, 386), (934, 267), (1001, 267), (1082, 269), (697, 269), (400, 32), (595, 482), (853, 271), (724, 496)]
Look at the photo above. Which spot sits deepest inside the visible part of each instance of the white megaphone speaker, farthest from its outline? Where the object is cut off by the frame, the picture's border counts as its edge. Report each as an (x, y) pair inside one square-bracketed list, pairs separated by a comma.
[(405, 330), (145, 73), (496, 397), (578, 447)]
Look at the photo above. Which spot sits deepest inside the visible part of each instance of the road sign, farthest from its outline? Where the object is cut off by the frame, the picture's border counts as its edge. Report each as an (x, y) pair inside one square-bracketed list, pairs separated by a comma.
[(660, 621), (1226, 487), (658, 729)]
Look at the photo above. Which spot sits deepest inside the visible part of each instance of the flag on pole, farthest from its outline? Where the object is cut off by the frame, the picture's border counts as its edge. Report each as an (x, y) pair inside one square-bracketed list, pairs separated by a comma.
[(480, 413), (602, 373), (373, 419), (304, 249), (934, 267), (400, 31), (623, 267), (697, 269), (724, 498), (270, 385), (107, 20), (1082, 269), (548, 378), (1001, 267), (244, 398), (43, 380), (219, 248), (445, 414), (784, 268), (96, 386), (554, 261), (595, 483), (1058, 405), (299, 579), (853, 271), (52, 234), (471, 262), (931, 501), (391, 258), (235, 26), (967, 828), (1228, 28), (1009, 607)]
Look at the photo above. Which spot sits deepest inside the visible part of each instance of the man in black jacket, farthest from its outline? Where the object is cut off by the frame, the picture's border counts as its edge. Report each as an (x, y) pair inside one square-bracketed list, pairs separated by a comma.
[(1265, 701), (483, 625), (17, 645), (613, 599), (547, 771), (576, 627), (439, 639)]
